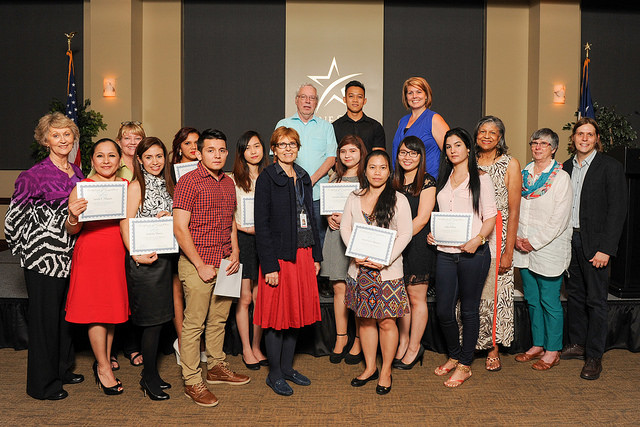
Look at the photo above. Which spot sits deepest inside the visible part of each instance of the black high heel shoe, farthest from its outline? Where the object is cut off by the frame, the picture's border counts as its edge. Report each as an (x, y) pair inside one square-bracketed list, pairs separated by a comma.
[(109, 391), (337, 357), (380, 389), (163, 384), (407, 366), (152, 395)]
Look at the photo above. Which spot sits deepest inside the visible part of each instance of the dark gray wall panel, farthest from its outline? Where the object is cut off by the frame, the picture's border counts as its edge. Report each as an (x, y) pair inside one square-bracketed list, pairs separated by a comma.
[(443, 44), (612, 28), (34, 69), (233, 59)]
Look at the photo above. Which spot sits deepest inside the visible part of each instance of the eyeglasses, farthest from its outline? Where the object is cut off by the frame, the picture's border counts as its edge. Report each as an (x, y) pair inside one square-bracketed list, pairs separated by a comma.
[(541, 144), (284, 145), (309, 97), (411, 154), (128, 123)]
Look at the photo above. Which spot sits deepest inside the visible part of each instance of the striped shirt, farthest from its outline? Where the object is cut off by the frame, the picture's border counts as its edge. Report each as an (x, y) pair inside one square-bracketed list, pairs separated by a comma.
[(212, 203)]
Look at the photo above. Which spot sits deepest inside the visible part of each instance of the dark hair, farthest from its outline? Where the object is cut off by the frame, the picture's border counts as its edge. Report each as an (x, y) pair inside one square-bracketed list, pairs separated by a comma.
[(178, 139), (241, 173), (100, 141), (138, 175), (502, 143), (340, 168), (211, 134), (385, 207), (354, 83), (585, 121), (446, 167), (412, 143)]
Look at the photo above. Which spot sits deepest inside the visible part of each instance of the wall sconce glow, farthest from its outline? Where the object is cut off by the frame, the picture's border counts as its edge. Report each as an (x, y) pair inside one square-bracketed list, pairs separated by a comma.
[(109, 88), (559, 94)]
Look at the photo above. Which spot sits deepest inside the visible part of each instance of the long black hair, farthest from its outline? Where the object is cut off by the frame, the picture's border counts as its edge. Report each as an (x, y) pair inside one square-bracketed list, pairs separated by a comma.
[(385, 207), (241, 174), (446, 166), (412, 143)]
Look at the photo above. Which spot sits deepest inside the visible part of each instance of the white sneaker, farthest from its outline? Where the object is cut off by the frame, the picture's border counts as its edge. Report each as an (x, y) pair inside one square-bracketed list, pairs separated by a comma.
[(176, 347)]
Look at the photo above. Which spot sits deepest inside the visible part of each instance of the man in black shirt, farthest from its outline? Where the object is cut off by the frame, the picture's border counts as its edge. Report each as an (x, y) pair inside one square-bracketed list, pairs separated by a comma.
[(355, 122)]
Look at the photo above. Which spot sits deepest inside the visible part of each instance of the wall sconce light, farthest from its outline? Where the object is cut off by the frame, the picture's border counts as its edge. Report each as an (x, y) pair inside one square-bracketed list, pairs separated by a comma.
[(559, 94), (109, 88)]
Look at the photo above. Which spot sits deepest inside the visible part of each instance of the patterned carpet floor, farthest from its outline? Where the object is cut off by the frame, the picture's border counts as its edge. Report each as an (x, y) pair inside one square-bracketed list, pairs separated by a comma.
[(517, 395)]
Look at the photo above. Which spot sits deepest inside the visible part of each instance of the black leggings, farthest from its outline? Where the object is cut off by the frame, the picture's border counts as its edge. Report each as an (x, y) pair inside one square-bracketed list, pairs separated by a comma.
[(281, 347), (150, 340)]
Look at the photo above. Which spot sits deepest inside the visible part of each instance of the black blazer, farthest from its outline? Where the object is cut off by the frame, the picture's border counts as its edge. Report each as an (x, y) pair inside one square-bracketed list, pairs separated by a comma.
[(603, 205), (276, 219)]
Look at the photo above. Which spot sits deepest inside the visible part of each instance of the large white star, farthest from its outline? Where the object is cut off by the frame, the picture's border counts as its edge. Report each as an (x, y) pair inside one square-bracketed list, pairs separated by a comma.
[(329, 89)]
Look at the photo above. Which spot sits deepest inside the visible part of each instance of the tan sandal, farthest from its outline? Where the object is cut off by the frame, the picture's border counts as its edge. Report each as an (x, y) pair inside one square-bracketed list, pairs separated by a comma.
[(451, 383), (493, 364), (441, 370)]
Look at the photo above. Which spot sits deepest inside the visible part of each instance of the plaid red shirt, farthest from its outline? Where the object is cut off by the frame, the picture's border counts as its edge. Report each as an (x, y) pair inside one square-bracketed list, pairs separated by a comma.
[(212, 204)]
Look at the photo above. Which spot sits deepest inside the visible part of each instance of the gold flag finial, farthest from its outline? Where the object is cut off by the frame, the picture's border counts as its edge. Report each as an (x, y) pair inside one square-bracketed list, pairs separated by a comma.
[(587, 48), (69, 37)]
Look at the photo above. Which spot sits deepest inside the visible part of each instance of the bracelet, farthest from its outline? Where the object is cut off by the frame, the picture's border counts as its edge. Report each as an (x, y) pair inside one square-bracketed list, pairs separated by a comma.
[(71, 223), (483, 239), (137, 263)]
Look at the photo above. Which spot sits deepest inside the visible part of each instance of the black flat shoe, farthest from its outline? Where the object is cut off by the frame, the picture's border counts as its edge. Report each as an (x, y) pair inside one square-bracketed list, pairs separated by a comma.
[(109, 391), (264, 362), (297, 378), (382, 389), (408, 366), (357, 382), (59, 395), (251, 366), (280, 386), (73, 378), (152, 395), (353, 359), (337, 357)]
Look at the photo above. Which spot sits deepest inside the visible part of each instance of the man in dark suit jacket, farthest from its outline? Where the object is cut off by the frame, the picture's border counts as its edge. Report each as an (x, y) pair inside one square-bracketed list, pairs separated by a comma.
[(598, 214)]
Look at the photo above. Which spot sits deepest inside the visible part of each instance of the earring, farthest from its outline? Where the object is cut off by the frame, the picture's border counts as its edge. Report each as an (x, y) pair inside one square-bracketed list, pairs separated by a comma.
[(180, 153)]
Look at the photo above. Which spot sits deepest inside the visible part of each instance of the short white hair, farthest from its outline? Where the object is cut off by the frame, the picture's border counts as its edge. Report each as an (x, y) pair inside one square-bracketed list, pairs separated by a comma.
[(306, 85)]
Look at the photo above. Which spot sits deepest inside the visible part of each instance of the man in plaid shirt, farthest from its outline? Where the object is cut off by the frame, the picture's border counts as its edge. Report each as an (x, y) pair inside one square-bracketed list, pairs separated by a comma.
[(204, 202)]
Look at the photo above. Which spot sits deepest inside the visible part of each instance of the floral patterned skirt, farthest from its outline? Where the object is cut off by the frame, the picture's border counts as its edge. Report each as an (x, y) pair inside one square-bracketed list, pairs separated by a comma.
[(370, 297)]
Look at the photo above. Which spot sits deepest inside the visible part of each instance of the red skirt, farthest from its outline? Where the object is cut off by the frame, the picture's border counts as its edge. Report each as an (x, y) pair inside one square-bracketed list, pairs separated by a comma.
[(294, 303)]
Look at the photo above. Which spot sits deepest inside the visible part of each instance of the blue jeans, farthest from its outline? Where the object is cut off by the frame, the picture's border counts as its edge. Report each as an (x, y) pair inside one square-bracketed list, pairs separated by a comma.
[(461, 276)]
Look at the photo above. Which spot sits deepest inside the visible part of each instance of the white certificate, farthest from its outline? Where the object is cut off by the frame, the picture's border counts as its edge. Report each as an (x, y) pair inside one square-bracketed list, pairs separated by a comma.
[(451, 228), (228, 285), (368, 241), (333, 196), (148, 235), (184, 168), (105, 200), (247, 211)]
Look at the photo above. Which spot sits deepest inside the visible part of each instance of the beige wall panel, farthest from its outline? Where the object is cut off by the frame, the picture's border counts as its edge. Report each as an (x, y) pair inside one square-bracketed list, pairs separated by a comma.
[(350, 32), (161, 68), (507, 68)]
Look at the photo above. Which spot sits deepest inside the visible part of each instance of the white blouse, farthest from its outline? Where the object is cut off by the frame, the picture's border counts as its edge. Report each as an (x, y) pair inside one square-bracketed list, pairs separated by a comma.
[(545, 222)]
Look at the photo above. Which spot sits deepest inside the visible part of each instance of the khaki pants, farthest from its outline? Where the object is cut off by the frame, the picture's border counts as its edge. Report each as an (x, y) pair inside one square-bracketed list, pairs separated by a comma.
[(203, 311)]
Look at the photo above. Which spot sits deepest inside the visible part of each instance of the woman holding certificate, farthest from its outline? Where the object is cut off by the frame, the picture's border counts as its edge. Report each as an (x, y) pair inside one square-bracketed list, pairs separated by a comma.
[(496, 303), (288, 248), (543, 247), (149, 276), (461, 268), (34, 229), (349, 168), (418, 258), (98, 289), (376, 292), (250, 160)]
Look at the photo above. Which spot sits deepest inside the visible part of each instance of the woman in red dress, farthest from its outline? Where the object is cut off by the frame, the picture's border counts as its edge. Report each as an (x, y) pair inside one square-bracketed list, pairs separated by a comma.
[(98, 289)]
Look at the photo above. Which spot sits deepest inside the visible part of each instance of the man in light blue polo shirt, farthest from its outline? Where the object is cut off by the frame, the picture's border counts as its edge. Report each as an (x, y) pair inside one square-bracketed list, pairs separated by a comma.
[(318, 145)]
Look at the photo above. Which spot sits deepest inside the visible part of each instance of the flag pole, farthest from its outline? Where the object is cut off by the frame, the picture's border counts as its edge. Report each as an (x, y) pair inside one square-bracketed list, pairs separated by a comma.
[(71, 107)]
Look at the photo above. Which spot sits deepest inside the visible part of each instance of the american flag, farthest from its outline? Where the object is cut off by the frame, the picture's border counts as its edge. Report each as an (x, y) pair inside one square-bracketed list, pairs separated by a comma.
[(71, 109)]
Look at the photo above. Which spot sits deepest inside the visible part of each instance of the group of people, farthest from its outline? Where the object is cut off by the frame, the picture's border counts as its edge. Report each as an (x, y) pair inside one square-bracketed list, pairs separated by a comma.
[(538, 219)]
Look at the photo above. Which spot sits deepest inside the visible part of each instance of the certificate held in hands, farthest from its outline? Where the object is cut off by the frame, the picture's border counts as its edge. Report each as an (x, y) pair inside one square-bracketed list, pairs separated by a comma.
[(147, 235), (105, 200), (374, 243), (333, 196), (451, 228)]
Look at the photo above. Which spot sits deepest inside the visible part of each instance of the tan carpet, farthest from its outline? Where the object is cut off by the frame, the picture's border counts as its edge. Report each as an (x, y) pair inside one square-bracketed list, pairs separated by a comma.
[(517, 395)]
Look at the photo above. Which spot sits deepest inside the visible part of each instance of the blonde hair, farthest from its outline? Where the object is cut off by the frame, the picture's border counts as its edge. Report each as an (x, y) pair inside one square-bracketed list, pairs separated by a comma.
[(54, 120), (418, 82), (130, 127)]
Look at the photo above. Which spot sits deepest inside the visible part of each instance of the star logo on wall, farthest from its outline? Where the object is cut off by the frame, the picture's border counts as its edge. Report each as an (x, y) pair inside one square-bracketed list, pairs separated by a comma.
[(329, 94)]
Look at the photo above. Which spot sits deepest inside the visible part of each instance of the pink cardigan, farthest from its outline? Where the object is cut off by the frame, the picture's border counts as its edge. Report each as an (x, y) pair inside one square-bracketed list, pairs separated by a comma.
[(401, 222)]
